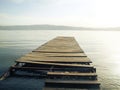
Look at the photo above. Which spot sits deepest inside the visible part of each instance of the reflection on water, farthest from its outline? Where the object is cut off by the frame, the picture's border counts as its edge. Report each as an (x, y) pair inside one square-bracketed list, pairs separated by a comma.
[(102, 47)]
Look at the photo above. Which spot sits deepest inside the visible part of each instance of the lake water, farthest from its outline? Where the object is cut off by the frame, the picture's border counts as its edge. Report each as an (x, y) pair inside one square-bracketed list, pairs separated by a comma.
[(102, 47)]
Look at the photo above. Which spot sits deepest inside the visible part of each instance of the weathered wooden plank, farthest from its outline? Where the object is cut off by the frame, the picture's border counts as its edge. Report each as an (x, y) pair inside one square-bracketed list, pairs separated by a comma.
[(63, 88), (72, 84), (60, 44), (57, 54), (72, 81), (57, 64), (55, 74), (54, 59), (58, 69), (70, 74)]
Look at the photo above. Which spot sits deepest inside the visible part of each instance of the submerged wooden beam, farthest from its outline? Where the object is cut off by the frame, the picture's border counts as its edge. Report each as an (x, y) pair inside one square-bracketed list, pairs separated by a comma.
[(72, 84), (54, 69), (70, 74)]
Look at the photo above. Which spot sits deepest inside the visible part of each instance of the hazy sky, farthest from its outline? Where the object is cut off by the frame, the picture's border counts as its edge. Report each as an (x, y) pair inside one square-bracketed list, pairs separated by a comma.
[(90, 13)]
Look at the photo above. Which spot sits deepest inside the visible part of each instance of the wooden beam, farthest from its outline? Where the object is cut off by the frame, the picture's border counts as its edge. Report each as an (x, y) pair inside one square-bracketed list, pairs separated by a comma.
[(55, 59), (72, 84), (48, 69), (57, 64), (57, 54), (70, 74)]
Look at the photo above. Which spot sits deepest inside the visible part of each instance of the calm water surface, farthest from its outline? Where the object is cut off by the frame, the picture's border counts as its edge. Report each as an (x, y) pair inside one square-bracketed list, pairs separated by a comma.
[(102, 47)]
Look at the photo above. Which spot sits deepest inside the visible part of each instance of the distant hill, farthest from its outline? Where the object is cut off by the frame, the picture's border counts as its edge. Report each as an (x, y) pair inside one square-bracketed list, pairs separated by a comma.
[(53, 27), (41, 27)]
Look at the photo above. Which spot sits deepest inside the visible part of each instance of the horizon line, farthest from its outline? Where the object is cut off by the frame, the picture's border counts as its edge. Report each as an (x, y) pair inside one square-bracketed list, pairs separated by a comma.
[(59, 25)]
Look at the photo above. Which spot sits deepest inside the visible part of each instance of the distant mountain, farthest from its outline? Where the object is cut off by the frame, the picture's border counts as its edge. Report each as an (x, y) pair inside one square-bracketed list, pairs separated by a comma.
[(41, 27), (52, 27)]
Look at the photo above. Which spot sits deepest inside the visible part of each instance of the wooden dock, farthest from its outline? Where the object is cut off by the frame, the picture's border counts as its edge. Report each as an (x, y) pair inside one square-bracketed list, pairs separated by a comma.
[(61, 62)]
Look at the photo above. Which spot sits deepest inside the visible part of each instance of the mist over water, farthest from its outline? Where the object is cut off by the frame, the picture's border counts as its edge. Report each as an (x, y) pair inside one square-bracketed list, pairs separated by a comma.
[(102, 47)]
